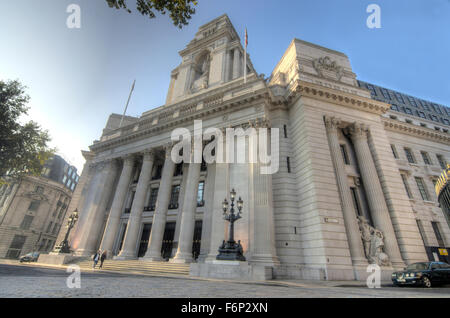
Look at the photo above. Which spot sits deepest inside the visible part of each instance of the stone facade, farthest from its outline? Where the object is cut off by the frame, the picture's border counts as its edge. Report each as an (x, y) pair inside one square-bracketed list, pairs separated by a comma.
[(336, 168), (32, 212)]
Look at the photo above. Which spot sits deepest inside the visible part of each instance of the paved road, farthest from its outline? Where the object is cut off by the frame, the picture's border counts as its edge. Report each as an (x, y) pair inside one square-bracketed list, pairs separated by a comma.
[(30, 281)]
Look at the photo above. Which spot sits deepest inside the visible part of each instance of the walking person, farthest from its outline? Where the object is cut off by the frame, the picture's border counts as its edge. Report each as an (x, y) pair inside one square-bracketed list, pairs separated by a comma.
[(96, 258), (103, 257)]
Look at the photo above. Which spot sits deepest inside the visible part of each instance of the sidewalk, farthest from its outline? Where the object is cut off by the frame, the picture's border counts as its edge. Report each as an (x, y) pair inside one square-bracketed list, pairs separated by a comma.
[(274, 282)]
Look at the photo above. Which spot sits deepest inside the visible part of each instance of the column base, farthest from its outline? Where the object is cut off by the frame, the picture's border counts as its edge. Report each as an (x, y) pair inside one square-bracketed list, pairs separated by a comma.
[(151, 259), (265, 260), (360, 262), (125, 256), (182, 259), (83, 253)]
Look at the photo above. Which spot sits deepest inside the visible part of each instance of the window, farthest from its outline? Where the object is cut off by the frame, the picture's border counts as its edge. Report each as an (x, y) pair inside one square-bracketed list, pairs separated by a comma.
[(64, 179), (200, 194), (408, 111), (16, 246), (412, 101), (434, 117), (438, 234), (345, 155), (26, 222), (437, 128), (394, 107), (49, 227), (441, 161), (421, 230), (408, 121), (61, 212), (446, 121), (423, 125), (421, 114), (405, 183), (425, 106), (174, 197), (399, 97), (426, 158), (356, 201), (394, 152), (34, 205), (55, 229), (385, 93), (285, 131), (372, 89), (152, 199), (422, 189), (409, 155), (288, 162), (178, 169)]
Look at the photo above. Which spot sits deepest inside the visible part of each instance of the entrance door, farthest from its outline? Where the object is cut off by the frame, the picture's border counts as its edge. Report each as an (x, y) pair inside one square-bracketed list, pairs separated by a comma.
[(197, 239), (143, 244), (167, 244)]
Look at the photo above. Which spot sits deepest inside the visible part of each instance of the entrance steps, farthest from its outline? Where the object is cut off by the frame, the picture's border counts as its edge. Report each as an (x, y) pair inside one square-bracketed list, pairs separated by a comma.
[(139, 267)]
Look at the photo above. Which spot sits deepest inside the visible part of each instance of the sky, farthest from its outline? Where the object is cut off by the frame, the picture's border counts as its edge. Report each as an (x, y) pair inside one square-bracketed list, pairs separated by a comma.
[(77, 77)]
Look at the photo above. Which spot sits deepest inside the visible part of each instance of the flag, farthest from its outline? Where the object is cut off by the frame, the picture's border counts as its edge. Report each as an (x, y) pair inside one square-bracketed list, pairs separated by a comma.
[(246, 37), (245, 56)]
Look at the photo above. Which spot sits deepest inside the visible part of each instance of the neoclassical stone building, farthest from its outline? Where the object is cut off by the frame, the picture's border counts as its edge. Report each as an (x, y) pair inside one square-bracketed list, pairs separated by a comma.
[(346, 193)]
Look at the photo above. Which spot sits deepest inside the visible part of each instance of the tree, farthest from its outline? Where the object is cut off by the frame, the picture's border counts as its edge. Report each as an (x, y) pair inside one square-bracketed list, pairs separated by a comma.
[(180, 11), (23, 147)]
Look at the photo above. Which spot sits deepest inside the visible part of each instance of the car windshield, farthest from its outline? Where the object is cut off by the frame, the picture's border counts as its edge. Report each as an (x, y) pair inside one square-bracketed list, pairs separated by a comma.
[(417, 266)]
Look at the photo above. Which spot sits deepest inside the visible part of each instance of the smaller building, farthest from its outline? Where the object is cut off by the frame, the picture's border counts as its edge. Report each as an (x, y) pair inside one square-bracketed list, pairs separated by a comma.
[(33, 209)]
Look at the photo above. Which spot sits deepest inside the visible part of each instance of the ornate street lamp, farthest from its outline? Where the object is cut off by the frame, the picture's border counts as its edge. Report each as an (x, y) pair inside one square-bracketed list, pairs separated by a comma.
[(64, 246), (230, 250)]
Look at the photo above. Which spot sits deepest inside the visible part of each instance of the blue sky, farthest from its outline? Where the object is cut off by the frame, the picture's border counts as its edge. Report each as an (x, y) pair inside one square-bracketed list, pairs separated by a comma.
[(77, 77)]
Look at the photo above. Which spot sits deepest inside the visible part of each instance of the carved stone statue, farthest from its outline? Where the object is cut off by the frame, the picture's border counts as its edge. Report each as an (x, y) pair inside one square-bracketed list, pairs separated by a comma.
[(201, 78), (373, 242)]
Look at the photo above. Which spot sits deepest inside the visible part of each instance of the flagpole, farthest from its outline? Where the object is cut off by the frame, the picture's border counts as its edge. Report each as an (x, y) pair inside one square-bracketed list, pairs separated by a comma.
[(245, 58), (126, 107)]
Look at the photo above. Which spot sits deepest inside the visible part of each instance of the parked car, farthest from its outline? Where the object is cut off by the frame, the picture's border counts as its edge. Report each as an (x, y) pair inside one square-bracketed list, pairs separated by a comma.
[(426, 274), (30, 257)]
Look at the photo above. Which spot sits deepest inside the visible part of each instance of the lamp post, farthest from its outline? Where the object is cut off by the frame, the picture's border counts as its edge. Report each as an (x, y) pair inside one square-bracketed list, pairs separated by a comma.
[(230, 250), (64, 246)]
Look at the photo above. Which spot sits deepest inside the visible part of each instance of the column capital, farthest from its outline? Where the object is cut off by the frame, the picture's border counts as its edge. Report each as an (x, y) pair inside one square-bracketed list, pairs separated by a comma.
[(149, 154), (357, 131), (129, 159), (331, 123)]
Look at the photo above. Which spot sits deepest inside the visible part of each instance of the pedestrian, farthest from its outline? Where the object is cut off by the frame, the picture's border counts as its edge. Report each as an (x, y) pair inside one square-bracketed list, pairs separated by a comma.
[(96, 258), (103, 257)]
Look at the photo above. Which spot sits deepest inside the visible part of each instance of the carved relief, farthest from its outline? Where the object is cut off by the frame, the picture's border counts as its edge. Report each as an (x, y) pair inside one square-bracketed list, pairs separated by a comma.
[(373, 242), (327, 68), (201, 72)]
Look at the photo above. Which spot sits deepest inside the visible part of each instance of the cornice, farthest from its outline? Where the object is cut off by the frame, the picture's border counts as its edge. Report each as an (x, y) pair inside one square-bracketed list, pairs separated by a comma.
[(302, 88), (414, 130), (187, 111)]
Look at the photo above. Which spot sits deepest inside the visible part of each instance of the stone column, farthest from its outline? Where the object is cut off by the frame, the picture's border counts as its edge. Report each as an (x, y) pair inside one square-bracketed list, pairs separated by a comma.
[(350, 220), (263, 238), (162, 202), (236, 63), (116, 211), (375, 196), (184, 252), (94, 207), (132, 233)]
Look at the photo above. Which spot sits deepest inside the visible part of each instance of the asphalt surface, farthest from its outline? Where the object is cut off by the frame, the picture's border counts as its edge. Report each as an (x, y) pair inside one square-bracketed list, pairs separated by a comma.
[(24, 281)]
